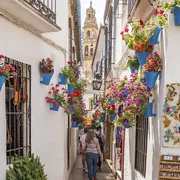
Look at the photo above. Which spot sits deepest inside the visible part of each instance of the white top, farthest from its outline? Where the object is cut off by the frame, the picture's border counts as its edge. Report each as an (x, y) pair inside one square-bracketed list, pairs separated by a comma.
[(82, 139)]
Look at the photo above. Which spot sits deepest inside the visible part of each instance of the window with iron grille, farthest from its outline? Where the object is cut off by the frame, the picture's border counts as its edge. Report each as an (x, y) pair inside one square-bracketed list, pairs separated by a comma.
[(18, 111), (141, 145)]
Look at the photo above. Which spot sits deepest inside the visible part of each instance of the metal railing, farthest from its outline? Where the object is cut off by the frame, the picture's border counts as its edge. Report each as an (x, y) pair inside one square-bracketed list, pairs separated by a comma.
[(46, 7), (131, 4)]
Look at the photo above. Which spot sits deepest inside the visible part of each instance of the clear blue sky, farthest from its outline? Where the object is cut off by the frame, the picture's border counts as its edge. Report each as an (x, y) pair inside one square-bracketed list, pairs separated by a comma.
[(98, 5)]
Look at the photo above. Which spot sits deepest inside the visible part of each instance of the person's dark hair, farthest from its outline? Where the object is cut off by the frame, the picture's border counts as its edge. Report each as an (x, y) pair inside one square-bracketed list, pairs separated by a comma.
[(85, 130), (98, 128)]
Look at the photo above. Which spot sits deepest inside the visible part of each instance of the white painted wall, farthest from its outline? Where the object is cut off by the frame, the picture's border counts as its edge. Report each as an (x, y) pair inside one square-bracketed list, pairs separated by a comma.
[(48, 127)]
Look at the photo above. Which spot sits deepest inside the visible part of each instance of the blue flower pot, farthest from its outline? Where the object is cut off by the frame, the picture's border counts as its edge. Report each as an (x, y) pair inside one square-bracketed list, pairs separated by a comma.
[(2, 79), (125, 92), (112, 101), (155, 37), (55, 108), (112, 117), (70, 89), (101, 120), (63, 79), (74, 124), (142, 57), (176, 13), (46, 78), (151, 78), (148, 111), (133, 70), (126, 126), (71, 108)]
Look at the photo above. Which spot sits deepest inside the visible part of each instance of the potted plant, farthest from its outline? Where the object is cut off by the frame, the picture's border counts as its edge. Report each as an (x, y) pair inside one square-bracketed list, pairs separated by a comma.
[(26, 168), (5, 71), (158, 21), (152, 69), (148, 110), (138, 40), (66, 72), (133, 63), (174, 7), (111, 110), (47, 70), (57, 97)]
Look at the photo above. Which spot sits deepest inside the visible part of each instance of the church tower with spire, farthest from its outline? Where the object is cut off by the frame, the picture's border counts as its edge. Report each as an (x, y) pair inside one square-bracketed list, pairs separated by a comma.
[(90, 35)]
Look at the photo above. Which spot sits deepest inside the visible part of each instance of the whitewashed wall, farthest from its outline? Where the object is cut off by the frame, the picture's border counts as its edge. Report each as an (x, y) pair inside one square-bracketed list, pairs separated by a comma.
[(48, 127)]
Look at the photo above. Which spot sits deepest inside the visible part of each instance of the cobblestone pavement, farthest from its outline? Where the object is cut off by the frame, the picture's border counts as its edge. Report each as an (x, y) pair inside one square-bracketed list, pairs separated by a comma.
[(78, 174)]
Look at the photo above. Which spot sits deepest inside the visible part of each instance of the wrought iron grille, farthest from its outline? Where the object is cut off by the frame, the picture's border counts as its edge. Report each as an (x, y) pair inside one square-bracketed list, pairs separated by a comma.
[(18, 111), (131, 4), (141, 145), (47, 8)]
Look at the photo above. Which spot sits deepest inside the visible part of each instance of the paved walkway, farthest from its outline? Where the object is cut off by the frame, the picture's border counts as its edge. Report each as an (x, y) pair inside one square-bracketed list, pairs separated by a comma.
[(78, 174)]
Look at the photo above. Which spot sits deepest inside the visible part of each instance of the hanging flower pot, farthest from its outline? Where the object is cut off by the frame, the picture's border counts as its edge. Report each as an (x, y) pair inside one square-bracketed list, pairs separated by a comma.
[(176, 13), (63, 79), (74, 124), (155, 37), (71, 108), (151, 78), (148, 111), (112, 117), (125, 92), (2, 79), (142, 57), (55, 107), (133, 70), (126, 126), (46, 78), (70, 88), (112, 101)]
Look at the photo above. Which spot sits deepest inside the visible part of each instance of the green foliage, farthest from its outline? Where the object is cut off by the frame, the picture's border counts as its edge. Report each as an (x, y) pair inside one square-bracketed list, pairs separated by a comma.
[(133, 62), (26, 168)]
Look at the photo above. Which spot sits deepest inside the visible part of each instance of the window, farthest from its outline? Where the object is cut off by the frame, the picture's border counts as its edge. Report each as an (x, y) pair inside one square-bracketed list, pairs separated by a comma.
[(88, 34), (18, 111), (91, 52), (141, 145), (86, 51)]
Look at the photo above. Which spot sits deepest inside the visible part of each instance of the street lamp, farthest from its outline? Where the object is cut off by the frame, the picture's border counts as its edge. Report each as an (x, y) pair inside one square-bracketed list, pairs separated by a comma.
[(96, 84)]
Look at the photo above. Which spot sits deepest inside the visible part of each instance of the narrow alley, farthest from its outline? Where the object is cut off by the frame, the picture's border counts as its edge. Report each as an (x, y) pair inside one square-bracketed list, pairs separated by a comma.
[(78, 174)]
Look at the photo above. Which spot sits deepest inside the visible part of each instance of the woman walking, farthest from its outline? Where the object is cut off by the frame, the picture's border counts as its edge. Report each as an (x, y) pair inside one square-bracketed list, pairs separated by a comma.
[(93, 152)]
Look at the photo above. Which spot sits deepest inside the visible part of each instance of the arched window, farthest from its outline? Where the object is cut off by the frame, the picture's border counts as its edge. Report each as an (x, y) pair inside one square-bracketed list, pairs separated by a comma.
[(88, 34), (91, 52), (86, 51)]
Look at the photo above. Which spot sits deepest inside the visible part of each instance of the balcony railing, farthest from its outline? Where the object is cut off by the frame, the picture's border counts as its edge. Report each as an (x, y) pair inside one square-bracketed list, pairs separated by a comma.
[(47, 8), (131, 5)]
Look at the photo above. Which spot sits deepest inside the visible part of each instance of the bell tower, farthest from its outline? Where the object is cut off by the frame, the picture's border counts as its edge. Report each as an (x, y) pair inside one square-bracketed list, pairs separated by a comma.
[(90, 35)]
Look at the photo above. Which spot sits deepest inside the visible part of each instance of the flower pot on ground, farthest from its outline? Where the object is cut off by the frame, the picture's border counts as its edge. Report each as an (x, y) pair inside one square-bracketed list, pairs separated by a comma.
[(2, 79), (47, 70), (155, 36), (148, 111), (70, 89), (63, 79), (152, 69), (112, 117), (176, 13)]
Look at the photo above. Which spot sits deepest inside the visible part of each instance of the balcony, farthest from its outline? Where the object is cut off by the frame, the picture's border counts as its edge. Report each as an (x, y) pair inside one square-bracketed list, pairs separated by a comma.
[(39, 14)]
